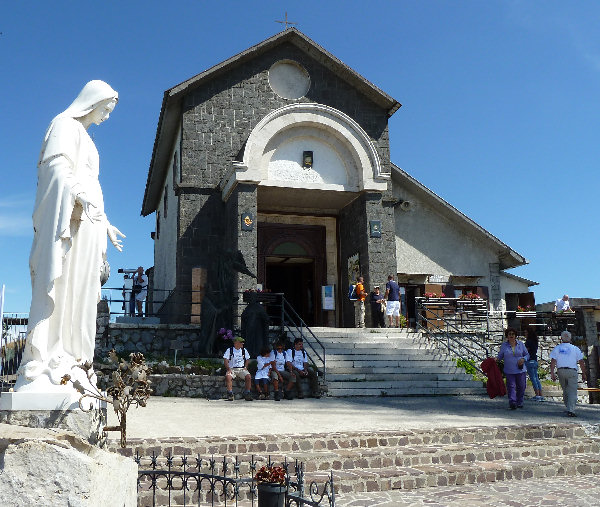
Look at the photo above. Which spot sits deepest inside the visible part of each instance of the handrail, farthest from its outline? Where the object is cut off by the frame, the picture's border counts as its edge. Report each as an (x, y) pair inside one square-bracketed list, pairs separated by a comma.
[(285, 306)]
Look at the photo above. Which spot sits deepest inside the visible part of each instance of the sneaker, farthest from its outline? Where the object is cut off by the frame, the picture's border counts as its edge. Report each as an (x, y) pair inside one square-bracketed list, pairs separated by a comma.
[(519, 406), (288, 395), (571, 414), (261, 396), (230, 397), (248, 397), (541, 398), (300, 396), (513, 407), (277, 396)]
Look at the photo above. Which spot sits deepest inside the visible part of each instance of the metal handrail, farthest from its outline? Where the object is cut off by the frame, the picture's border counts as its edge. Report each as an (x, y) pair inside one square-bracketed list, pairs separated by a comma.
[(300, 329)]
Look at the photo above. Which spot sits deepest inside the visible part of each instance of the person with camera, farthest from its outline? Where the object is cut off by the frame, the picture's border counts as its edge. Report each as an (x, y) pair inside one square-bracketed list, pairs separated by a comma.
[(139, 291)]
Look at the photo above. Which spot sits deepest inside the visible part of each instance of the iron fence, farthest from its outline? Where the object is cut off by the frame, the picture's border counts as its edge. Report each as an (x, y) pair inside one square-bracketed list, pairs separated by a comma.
[(186, 481), (12, 343)]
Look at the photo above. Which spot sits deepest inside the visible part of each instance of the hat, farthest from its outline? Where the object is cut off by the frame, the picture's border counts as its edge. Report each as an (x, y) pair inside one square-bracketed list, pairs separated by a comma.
[(238, 339), (376, 287)]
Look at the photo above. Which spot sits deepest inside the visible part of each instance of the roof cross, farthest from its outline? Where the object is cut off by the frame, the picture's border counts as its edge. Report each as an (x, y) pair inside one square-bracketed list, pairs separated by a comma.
[(286, 22)]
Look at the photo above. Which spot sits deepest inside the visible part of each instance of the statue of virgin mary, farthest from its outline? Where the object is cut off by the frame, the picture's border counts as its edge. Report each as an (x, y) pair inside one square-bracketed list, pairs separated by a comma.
[(69, 245)]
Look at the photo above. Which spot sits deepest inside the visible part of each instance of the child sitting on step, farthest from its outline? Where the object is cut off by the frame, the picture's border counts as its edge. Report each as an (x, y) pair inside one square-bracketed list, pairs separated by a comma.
[(264, 363)]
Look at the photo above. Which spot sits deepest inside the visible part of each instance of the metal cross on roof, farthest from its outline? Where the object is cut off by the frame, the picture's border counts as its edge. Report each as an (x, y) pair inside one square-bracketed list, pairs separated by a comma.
[(286, 22)]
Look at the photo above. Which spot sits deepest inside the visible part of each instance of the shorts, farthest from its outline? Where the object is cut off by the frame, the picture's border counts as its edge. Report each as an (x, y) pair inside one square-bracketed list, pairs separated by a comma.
[(261, 381), (393, 308), (140, 296), (238, 373), (286, 375)]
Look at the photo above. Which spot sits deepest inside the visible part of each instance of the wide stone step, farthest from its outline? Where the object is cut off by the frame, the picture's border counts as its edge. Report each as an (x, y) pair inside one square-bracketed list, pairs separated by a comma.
[(403, 384), (440, 390), (392, 375), (383, 351), (407, 478), (407, 368), (374, 357), (380, 363)]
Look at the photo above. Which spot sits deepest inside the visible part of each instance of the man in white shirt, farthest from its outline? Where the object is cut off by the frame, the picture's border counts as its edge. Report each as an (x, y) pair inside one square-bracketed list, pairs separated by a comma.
[(563, 305), (139, 290), (236, 360), (297, 364), (565, 357)]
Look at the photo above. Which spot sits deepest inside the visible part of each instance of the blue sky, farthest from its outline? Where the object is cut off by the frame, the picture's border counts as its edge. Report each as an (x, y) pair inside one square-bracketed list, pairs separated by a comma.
[(500, 111)]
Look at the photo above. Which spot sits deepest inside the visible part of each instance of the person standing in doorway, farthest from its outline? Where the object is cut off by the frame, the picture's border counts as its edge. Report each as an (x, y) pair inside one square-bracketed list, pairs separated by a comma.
[(359, 304), (392, 294)]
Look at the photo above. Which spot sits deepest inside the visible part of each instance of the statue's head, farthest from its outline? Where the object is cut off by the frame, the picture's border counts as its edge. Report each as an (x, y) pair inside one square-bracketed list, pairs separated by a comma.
[(95, 102)]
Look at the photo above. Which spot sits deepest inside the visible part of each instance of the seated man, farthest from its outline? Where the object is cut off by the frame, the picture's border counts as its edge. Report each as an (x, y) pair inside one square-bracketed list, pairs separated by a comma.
[(297, 364), (278, 372), (236, 360), (563, 305)]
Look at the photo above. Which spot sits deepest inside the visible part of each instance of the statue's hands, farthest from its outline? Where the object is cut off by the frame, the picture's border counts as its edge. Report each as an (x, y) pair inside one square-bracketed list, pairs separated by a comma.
[(88, 207), (113, 234)]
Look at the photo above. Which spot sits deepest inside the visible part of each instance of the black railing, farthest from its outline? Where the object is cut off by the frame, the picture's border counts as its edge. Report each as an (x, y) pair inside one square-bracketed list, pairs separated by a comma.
[(284, 316), (467, 329), (12, 343), (187, 481)]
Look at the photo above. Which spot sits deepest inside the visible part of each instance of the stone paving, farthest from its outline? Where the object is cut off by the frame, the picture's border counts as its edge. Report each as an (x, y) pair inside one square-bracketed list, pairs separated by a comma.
[(565, 491)]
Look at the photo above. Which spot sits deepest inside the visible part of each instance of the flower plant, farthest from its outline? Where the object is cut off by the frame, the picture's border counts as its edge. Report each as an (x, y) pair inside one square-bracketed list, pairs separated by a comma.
[(226, 334), (527, 308), (434, 295), (271, 474), (470, 296)]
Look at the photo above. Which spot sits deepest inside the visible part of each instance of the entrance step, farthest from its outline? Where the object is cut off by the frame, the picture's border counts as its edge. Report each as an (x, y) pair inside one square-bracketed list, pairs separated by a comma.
[(388, 362), (404, 459)]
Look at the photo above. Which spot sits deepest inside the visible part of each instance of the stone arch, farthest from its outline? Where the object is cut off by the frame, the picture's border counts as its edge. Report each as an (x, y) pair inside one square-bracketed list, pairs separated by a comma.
[(339, 138)]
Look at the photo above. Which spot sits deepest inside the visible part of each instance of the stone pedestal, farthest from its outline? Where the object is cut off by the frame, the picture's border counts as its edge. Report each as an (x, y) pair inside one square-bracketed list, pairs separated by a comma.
[(54, 411), (56, 468)]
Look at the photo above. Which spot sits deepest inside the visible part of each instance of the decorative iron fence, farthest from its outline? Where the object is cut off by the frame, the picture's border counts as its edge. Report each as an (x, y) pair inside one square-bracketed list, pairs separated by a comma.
[(186, 481), (12, 343)]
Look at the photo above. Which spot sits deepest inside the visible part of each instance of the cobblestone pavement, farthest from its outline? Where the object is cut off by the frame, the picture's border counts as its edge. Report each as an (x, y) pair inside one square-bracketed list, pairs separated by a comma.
[(564, 491)]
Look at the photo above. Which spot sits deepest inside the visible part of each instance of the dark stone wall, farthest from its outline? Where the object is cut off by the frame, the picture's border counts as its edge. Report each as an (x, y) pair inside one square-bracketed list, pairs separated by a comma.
[(219, 116), (377, 255), (242, 200)]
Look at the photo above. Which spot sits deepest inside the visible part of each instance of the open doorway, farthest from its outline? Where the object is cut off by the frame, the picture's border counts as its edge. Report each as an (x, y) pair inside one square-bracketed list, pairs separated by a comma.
[(294, 277), (292, 260)]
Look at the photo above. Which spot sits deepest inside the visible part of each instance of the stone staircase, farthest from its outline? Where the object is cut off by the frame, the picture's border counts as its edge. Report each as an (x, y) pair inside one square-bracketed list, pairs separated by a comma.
[(388, 362), (406, 460)]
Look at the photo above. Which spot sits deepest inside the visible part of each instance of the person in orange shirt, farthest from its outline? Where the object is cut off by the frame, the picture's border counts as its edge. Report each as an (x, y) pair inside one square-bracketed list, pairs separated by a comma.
[(359, 304)]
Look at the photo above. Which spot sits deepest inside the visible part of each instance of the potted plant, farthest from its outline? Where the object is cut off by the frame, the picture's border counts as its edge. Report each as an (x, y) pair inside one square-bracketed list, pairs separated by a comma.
[(272, 486)]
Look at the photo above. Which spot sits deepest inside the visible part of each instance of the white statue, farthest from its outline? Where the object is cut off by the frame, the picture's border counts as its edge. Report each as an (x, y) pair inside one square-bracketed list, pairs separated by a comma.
[(69, 246)]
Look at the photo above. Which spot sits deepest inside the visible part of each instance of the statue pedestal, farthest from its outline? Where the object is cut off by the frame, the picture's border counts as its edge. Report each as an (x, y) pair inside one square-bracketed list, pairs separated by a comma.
[(54, 411)]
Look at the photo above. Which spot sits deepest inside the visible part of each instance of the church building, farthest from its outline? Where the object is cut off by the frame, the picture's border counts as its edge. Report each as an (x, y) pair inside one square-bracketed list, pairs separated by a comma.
[(276, 163)]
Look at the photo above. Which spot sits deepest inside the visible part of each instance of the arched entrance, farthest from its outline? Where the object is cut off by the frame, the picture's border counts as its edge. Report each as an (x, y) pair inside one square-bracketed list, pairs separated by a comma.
[(292, 260)]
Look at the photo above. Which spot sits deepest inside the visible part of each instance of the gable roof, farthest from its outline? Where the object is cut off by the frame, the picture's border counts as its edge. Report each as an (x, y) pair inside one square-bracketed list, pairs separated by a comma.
[(171, 105), (507, 256)]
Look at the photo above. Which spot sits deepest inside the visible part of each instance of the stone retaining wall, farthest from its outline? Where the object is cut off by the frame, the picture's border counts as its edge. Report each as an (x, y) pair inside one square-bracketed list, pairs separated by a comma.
[(148, 339), (200, 386)]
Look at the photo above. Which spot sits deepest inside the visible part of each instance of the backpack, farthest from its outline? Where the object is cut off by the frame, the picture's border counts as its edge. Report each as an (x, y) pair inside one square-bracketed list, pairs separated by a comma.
[(294, 354), (231, 353), (352, 293)]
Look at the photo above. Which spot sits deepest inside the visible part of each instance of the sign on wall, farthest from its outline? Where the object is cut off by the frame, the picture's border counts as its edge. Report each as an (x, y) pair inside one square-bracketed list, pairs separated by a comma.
[(438, 279), (328, 297)]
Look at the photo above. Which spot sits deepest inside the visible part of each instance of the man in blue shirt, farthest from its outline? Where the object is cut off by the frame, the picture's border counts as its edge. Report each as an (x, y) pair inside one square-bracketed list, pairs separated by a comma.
[(392, 294)]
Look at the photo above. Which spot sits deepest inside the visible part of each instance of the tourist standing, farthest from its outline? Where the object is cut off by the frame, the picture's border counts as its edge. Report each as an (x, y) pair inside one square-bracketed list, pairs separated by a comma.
[(359, 304), (564, 357), (531, 343), (514, 353), (377, 300), (392, 294)]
